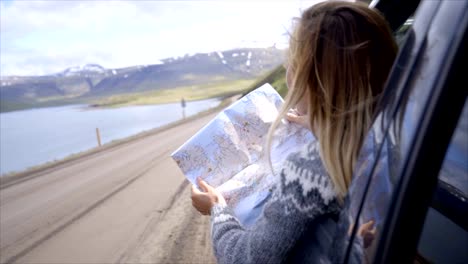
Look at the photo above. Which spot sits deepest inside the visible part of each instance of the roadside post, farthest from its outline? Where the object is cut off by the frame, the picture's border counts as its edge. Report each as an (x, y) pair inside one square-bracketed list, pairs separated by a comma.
[(182, 103), (98, 135)]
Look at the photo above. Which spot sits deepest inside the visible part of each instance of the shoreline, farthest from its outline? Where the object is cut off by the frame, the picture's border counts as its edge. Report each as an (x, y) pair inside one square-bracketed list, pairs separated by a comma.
[(13, 178), (91, 107), (189, 93)]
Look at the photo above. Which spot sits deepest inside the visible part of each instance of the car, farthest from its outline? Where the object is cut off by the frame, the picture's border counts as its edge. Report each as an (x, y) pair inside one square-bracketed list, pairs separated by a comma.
[(413, 188)]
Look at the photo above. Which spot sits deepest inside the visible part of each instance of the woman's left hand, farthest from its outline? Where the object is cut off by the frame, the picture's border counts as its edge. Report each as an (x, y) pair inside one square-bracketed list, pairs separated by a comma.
[(204, 200), (295, 117)]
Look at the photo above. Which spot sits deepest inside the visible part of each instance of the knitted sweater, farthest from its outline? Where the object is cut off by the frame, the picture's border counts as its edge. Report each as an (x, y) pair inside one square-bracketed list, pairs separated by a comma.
[(303, 196)]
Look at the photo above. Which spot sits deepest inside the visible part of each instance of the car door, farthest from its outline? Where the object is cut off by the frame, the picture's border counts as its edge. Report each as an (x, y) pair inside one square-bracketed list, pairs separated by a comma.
[(398, 182)]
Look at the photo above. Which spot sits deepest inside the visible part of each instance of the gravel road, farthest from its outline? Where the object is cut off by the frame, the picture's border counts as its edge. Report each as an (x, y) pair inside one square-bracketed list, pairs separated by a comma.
[(126, 204)]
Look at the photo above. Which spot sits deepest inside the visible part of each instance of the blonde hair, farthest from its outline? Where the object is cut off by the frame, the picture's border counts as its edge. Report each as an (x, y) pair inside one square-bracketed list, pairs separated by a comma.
[(340, 54)]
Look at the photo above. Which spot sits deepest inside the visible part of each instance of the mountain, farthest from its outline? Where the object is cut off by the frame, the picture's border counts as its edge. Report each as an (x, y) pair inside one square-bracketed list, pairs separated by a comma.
[(88, 69), (82, 84)]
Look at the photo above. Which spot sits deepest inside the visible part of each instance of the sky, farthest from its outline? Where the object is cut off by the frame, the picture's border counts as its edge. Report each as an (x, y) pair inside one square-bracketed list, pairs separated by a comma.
[(45, 37)]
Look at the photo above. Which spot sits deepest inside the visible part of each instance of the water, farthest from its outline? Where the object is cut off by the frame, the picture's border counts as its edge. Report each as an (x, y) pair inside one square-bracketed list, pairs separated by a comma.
[(33, 137)]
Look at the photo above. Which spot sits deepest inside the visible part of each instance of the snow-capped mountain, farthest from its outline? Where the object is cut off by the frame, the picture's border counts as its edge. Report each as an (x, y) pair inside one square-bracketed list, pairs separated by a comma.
[(82, 83)]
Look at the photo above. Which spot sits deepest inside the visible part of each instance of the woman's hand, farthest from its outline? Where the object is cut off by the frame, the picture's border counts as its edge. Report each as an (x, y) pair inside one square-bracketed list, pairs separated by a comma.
[(294, 117), (367, 231), (204, 200)]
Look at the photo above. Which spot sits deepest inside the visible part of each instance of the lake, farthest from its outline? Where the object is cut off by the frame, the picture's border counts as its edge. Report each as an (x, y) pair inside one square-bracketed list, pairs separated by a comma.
[(33, 137)]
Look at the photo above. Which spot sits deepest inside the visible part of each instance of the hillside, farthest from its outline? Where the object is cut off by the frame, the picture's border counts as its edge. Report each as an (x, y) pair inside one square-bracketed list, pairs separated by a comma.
[(276, 77), (92, 82)]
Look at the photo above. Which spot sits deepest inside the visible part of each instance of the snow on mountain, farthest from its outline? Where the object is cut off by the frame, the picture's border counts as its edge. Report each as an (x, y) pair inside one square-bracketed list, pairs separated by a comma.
[(87, 69), (247, 63), (94, 68)]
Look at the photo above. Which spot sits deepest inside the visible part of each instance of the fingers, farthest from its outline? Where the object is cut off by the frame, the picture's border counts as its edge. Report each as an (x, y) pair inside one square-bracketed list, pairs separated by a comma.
[(203, 185), (368, 225), (298, 119), (373, 231), (195, 191), (292, 117), (366, 228)]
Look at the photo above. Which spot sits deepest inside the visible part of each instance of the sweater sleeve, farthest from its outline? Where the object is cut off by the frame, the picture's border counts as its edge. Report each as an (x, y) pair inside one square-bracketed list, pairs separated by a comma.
[(304, 192)]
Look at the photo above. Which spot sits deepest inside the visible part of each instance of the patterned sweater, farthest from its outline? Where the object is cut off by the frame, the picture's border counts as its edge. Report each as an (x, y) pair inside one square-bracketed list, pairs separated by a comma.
[(303, 197)]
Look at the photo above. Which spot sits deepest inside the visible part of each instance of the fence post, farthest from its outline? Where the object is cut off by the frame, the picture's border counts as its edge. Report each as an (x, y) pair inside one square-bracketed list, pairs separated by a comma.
[(98, 137), (182, 103)]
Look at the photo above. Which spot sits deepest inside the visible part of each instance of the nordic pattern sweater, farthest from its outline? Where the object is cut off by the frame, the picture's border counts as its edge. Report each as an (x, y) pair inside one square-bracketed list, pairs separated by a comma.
[(303, 196)]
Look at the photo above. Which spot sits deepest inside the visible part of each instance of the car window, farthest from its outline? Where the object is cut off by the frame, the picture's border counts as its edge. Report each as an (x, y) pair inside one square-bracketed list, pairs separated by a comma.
[(455, 167), (444, 238)]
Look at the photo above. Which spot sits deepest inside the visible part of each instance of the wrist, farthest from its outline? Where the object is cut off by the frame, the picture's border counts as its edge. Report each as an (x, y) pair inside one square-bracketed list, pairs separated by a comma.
[(220, 200), (217, 208)]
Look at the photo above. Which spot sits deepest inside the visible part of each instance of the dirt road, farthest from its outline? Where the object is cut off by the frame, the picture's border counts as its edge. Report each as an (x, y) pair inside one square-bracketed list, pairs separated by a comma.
[(126, 204)]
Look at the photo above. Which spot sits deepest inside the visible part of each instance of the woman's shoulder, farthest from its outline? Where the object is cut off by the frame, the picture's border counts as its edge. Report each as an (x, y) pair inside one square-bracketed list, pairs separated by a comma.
[(304, 183)]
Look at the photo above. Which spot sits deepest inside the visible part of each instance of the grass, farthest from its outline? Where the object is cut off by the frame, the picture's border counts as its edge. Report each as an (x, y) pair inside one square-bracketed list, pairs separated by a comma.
[(189, 93), (9, 106), (56, 98)]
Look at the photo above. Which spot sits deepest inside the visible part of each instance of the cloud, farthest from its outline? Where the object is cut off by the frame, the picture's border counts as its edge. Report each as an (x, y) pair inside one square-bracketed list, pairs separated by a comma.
[(43, 37)]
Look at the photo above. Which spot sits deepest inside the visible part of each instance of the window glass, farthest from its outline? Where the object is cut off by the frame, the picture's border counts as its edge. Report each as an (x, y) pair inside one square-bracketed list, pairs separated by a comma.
[(455, 167), (444, 239)]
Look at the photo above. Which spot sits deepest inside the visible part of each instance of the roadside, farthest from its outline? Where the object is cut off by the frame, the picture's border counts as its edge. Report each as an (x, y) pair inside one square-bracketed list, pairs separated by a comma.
[(182, 235), (125, 201)]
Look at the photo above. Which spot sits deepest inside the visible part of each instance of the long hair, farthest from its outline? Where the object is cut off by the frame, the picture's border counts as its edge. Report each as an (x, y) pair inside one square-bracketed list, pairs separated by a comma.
[(340, 54)]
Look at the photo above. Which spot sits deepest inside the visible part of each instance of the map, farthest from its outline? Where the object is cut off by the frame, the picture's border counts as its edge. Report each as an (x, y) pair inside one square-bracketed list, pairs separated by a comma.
[(229, 152)]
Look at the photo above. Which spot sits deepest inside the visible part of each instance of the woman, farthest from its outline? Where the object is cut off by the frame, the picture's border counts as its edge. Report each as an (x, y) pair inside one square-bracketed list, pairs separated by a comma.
[(340, 54)]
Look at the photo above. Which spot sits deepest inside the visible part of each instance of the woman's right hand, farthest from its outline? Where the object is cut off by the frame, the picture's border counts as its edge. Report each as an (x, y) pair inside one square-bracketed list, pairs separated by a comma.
[(205, 199)]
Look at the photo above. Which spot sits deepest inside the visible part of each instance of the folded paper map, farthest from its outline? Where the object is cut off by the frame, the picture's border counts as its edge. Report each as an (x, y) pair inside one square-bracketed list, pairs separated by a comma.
[(229, 152)]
